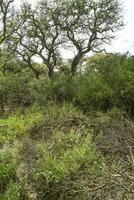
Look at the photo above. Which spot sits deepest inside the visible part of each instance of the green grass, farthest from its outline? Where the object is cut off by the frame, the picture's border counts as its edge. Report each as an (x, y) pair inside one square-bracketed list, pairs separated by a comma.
[(9, 161), (63, 157), (12, 193), (16, 125)]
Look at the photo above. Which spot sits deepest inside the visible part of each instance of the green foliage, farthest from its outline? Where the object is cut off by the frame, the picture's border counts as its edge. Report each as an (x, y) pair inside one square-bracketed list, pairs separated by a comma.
[(12, 193), (61, 159), (8, 163), (61, 154), (108, 82), (58, 89), (61, 111), (62, 89), (92, 92), (15, 90), (56, 118), (54, 169), (64, 137), (17, 124), (51, 149)]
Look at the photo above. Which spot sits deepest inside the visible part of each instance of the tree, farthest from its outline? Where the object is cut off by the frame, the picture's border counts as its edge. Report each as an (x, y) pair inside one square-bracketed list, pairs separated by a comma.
[(5, 15), (46, 35), (18, 43), (88, 24), (39, 36), (85, 25), (9, 20)]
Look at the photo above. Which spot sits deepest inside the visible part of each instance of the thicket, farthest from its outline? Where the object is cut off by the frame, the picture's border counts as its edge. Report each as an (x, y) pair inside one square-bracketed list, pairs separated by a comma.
[(66, 127), (68, 137), (107, 81)]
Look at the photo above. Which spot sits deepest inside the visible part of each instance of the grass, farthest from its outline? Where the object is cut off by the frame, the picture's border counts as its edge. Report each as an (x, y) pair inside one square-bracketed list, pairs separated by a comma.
[(78, 159), (16, 125)]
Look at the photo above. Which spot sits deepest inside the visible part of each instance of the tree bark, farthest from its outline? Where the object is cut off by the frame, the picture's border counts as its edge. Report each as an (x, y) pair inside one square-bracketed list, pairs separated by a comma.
[(50, 72), (75, 63), (36, 73)]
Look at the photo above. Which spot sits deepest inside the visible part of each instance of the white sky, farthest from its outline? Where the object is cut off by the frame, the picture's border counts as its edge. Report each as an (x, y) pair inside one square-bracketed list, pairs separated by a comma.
[(124, 38)]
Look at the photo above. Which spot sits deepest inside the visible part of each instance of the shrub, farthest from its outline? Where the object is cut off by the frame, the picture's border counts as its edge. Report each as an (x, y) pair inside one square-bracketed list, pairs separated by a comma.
[(92, 92), (58, 117), (65, 159), (117, 74), (16, 90)]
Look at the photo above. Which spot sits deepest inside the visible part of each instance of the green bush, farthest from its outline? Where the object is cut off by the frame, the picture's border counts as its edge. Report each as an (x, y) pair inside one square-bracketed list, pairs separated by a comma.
[(16, 90), (106, 82), (117, 74), (92, 92), (58, 89)]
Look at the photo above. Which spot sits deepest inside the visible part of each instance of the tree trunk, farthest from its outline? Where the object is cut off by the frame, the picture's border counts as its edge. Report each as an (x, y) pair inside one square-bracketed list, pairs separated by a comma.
[(75, 63), (36, 73), (50, 72)]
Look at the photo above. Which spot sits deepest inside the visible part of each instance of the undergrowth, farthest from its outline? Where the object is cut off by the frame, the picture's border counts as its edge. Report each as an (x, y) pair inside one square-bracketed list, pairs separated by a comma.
[(59, 153)]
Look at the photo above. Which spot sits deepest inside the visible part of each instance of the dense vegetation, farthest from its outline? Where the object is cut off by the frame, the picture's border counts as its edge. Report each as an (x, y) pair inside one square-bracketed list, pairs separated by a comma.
[(66, 127)]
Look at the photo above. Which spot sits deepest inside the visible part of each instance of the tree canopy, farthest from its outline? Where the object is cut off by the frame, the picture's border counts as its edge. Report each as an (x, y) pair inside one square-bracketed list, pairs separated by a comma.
[(85, 26)]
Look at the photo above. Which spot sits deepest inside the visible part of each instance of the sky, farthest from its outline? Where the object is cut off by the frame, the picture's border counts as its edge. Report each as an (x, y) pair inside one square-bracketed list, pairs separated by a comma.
[(124, 38)]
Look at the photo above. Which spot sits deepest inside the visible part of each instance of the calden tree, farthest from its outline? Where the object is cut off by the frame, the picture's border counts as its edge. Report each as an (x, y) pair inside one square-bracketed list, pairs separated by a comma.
[(85, 25), (39, 36), (9, 20), (88, 24)]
